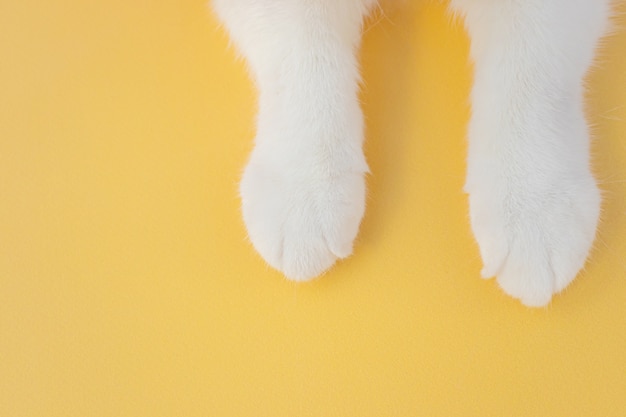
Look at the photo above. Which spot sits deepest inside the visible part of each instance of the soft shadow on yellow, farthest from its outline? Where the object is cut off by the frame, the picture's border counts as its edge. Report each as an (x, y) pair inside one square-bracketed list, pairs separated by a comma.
[(127, 286)]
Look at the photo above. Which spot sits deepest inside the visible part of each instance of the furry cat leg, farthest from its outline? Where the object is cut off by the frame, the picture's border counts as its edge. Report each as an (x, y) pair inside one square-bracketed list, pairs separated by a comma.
[(534, 203), (303, 191)]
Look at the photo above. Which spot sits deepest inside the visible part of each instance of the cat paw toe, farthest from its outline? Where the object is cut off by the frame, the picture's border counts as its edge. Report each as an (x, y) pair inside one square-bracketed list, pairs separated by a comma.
[(301, 223), (535, 245)]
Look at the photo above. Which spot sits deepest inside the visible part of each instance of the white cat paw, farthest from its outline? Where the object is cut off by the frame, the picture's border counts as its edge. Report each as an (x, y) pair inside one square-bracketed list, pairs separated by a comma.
[(534, 237), (300, 212)]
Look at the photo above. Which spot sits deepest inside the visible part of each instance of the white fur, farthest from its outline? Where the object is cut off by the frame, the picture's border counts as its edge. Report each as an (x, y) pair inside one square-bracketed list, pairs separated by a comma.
[(533, 200)]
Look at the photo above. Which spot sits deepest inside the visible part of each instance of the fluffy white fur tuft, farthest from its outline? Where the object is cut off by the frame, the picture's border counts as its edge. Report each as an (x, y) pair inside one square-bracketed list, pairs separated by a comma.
[(534, 203)]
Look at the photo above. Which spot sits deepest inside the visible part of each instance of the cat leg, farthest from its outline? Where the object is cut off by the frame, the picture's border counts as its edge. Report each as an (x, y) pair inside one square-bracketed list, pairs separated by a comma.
[(303, 190), (534, 203)]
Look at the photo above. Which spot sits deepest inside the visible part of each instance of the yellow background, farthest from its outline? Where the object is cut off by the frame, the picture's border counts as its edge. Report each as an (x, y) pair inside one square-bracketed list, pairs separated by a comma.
[(127, 286)]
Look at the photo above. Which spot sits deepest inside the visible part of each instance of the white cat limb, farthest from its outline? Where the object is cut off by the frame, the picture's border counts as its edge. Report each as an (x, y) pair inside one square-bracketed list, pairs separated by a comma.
[(534, 203), (303, 191)]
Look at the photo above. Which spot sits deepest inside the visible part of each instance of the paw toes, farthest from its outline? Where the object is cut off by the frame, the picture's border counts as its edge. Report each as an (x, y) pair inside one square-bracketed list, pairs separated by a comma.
[(494, 256), (301, 226), (532, 286), (303, 260), (535, 247), (567, 264), (493, 263)]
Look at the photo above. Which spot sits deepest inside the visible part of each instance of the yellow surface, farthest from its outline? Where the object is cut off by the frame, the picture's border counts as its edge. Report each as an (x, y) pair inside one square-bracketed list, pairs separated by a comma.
[(127, 286)]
